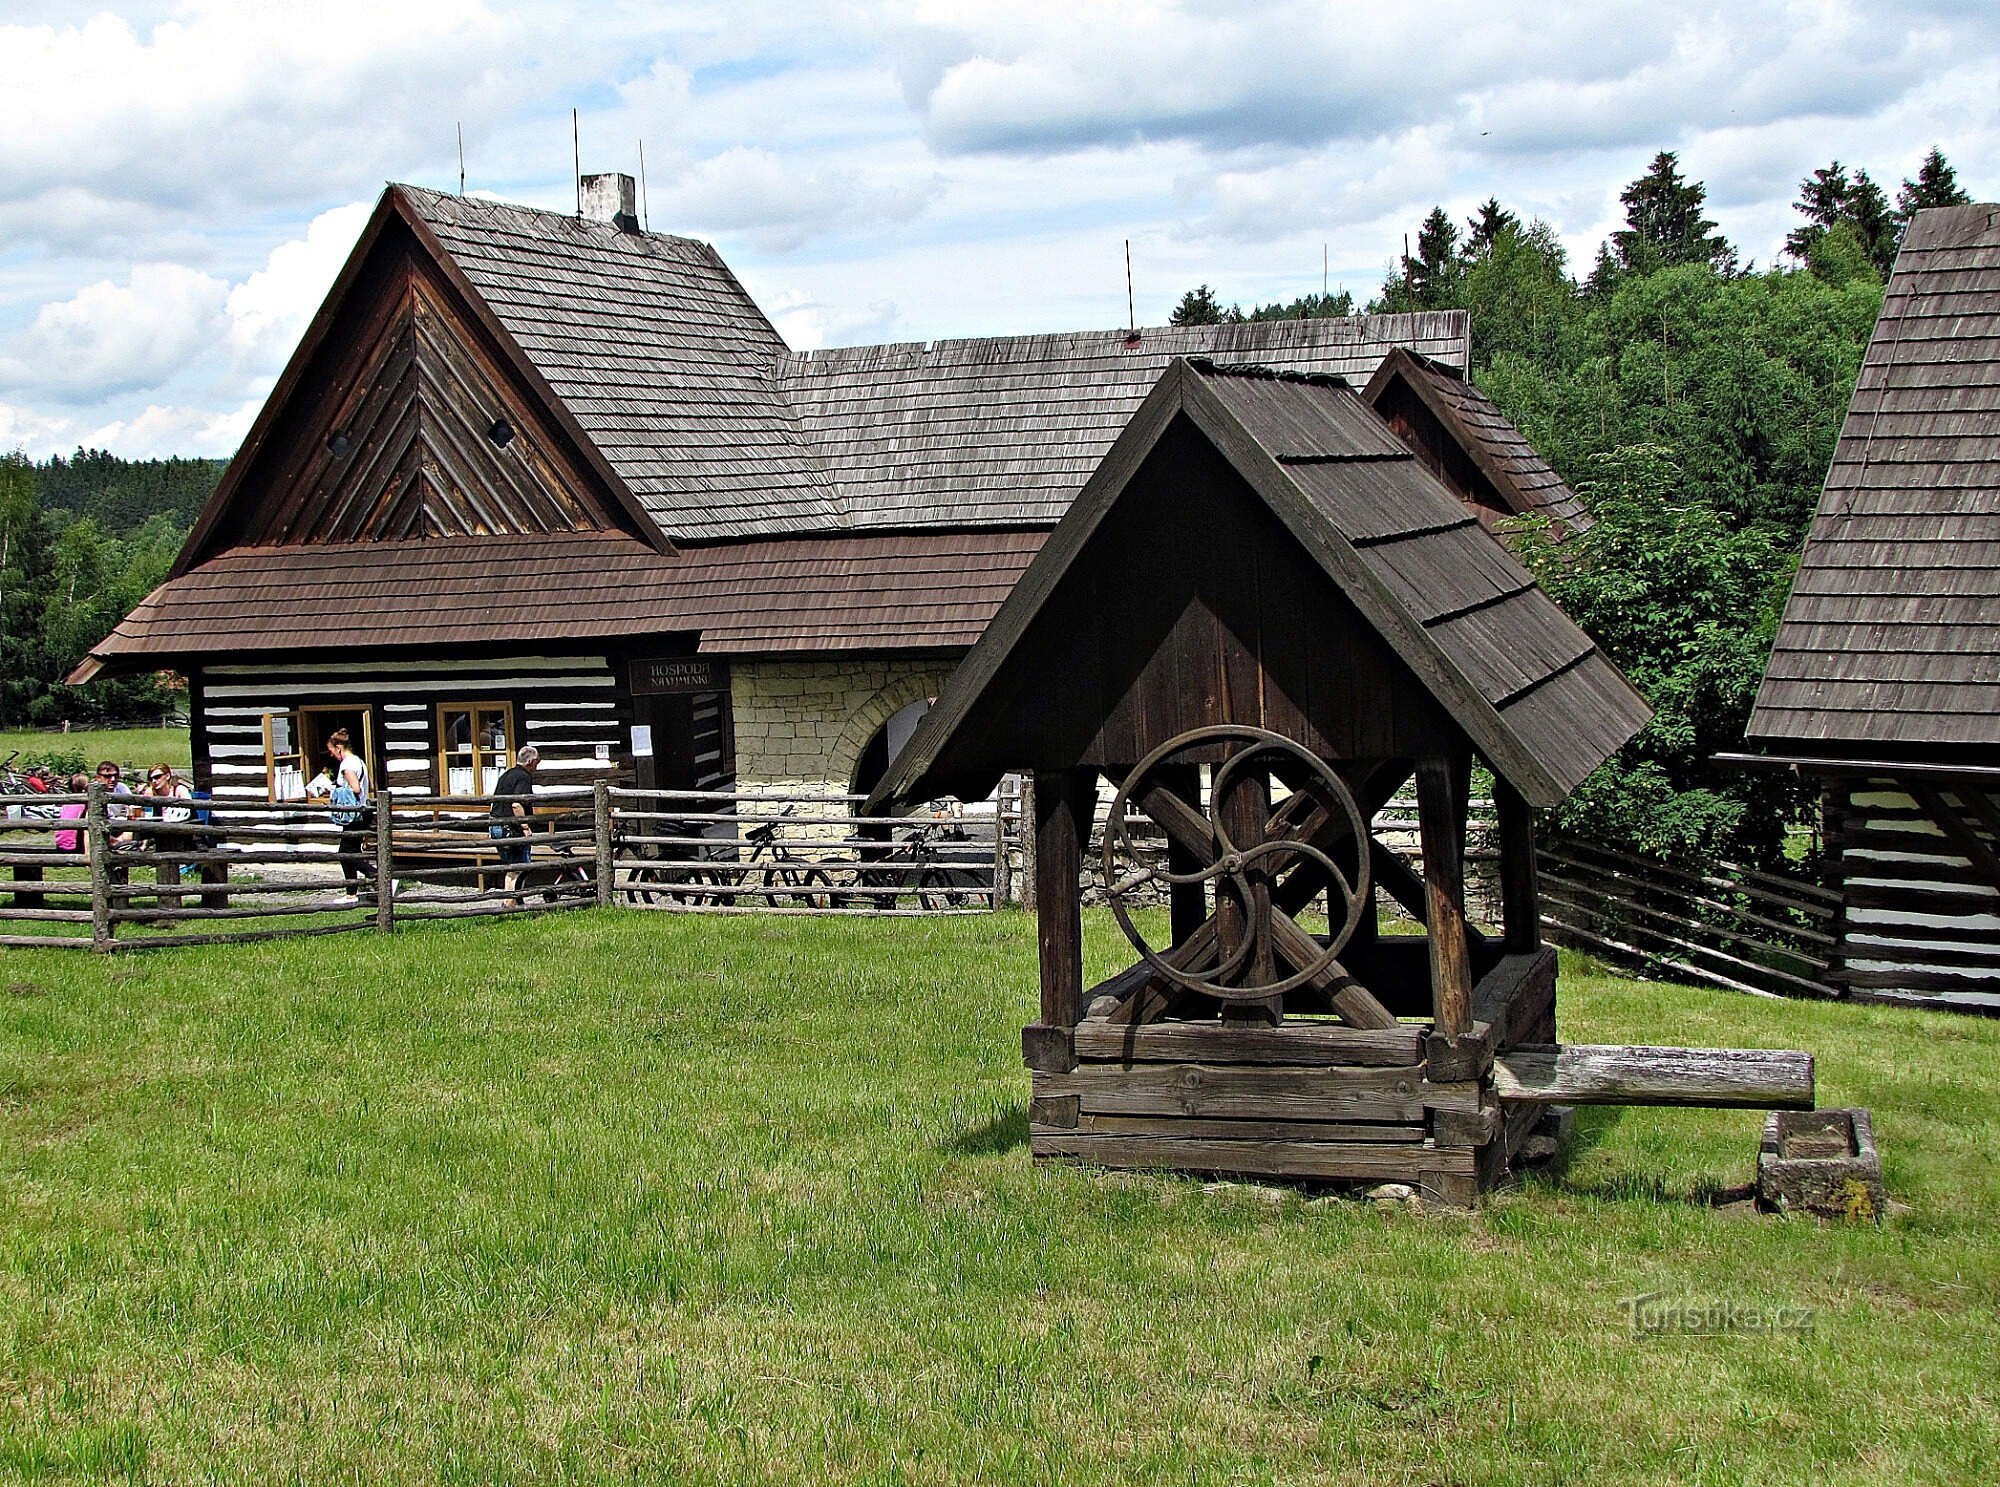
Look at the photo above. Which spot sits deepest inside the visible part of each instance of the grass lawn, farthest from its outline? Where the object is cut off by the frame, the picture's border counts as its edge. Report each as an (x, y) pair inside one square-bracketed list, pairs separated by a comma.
[(137, 747), (617, 1196)]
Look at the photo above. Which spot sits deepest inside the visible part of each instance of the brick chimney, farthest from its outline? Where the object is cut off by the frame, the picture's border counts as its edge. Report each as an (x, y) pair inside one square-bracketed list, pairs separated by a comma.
[(611, 197)]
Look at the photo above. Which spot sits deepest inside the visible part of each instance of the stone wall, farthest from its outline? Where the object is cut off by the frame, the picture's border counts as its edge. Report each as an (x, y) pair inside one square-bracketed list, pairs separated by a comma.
[(801, 725)]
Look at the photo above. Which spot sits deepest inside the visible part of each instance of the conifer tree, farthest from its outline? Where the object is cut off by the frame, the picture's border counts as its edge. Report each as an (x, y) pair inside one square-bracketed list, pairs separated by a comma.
[(1664, 222)]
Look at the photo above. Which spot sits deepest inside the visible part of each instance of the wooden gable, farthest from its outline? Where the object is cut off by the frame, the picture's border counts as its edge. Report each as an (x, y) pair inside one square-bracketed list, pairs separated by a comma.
[(1460, 436), (406, 413), (1192, 605)]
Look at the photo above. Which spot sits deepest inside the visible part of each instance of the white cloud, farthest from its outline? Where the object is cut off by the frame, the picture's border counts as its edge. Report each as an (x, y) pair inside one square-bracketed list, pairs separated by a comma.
[(905, 169), (780, 205), (268, 311), (118, 337)]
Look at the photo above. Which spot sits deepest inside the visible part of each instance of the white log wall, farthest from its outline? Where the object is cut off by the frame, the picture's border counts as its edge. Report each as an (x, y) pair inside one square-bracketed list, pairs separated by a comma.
[(1918, 921), (566, 706)]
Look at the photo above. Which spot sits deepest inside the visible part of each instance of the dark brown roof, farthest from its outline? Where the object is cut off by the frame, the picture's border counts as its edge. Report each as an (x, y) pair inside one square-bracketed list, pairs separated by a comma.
[(1530, 690), (1521, 479), (1892, 631), (655, 348), (702, 426), (1004, 431), (870, 592)]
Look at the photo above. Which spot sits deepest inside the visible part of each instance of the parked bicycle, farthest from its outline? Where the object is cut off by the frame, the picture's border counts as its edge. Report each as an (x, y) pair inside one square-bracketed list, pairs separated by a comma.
[(36, 781), (786, 879), (931, 864), (564, 874), (685, 875)]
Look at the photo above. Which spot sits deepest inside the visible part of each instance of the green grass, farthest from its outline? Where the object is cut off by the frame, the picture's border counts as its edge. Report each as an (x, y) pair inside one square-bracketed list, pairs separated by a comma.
[(135, 747), (614, 1196)]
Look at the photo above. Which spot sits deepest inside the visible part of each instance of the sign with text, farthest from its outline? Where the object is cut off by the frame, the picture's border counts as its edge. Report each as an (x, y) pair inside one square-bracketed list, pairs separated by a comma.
[(679, 676)]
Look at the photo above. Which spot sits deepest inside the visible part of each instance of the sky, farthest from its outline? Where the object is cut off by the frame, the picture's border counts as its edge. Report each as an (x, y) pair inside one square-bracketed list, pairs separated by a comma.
[(179, 183)]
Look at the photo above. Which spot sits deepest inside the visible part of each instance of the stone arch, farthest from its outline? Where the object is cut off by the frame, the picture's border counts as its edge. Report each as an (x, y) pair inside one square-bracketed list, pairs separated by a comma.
[(863, 722)]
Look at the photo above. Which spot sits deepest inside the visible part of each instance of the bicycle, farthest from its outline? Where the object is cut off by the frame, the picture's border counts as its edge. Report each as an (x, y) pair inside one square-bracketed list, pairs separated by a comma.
[(35, 781), (929, 874), (562, 876), (702, 883), (808, 885)]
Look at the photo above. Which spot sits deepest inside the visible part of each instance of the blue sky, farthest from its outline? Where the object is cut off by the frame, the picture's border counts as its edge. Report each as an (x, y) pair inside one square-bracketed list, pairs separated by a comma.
[(179, 182)]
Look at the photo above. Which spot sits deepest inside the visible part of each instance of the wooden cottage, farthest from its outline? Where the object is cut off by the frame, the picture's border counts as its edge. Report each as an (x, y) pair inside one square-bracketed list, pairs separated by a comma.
[(1262, 615), (1884, 682), (534, 478)]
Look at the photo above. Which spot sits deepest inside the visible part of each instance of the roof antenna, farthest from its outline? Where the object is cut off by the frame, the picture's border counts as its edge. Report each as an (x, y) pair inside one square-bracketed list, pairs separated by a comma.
[(461, 159), (576, 159), (1131, 314), (645, 212), (1325, 270)]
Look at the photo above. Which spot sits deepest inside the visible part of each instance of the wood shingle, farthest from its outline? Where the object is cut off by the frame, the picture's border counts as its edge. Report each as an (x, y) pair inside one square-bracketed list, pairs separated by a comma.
[(1891, 636)]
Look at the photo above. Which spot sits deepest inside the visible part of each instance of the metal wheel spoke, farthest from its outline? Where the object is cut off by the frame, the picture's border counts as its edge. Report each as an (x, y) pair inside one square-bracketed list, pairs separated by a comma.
[(1291, 853)]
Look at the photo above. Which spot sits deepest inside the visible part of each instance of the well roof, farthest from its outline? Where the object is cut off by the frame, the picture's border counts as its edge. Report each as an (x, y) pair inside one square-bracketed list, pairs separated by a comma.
[(1530, 690)]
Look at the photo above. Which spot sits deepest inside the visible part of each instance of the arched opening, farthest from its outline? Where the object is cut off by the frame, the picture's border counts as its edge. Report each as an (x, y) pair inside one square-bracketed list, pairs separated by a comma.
[(887, 741)]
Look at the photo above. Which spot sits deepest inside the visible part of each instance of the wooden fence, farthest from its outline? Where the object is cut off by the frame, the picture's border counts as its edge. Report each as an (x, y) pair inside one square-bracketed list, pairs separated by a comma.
[(719, 852), (248, 871), (1720, 924), (126, 874)]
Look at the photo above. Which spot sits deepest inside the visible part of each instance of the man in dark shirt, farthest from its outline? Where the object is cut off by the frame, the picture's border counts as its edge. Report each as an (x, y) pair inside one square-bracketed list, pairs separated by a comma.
[(511, 803)]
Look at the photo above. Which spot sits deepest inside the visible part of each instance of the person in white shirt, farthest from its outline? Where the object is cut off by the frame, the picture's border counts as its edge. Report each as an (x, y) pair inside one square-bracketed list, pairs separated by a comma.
[(347, 791)]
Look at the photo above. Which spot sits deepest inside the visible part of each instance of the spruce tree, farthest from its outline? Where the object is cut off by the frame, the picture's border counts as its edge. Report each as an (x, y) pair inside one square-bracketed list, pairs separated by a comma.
[(1936, 185), (1484, 227), (1665, 226)]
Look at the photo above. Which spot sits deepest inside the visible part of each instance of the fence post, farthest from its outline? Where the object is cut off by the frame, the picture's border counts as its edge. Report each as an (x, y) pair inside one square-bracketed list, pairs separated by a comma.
[(1002, 887), (385, 862), (1028, 896), (97, 842), (601, 824)]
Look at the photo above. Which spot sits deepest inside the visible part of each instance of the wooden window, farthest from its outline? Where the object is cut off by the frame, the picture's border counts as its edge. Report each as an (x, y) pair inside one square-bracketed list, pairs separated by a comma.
[(284, 756), (475, 746), (295, 744)]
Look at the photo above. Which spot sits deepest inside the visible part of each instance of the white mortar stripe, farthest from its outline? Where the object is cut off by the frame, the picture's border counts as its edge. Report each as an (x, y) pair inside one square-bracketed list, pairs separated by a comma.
[(1917, 887), (318, 671), (1918, 918), (344, 691)]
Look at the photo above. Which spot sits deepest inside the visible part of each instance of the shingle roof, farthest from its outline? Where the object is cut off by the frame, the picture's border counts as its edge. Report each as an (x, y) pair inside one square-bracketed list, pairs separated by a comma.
[(659, 354), (1530, 689), (1520, 477), (1892, 631), (870, 592), (1006, 430)]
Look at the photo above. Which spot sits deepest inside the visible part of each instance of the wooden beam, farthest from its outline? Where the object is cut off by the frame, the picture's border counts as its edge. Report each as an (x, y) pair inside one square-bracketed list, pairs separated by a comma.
[(1610, 1074), (1520, 897), (1187, 902), (1062, 824), (1244, 812), (1444, 883), (1976, 849)]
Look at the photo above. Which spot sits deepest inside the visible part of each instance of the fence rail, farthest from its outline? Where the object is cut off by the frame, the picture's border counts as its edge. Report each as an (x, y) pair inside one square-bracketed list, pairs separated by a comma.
[(1721, 925), (122, 874), (108, 872)]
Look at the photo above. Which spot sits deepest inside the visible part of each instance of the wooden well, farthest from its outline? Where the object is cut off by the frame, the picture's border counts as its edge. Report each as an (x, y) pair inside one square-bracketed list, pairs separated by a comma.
[(1261, 619)]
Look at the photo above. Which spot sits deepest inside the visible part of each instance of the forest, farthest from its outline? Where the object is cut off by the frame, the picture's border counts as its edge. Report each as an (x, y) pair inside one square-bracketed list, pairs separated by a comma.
[(1694, 401), (82, 540)]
